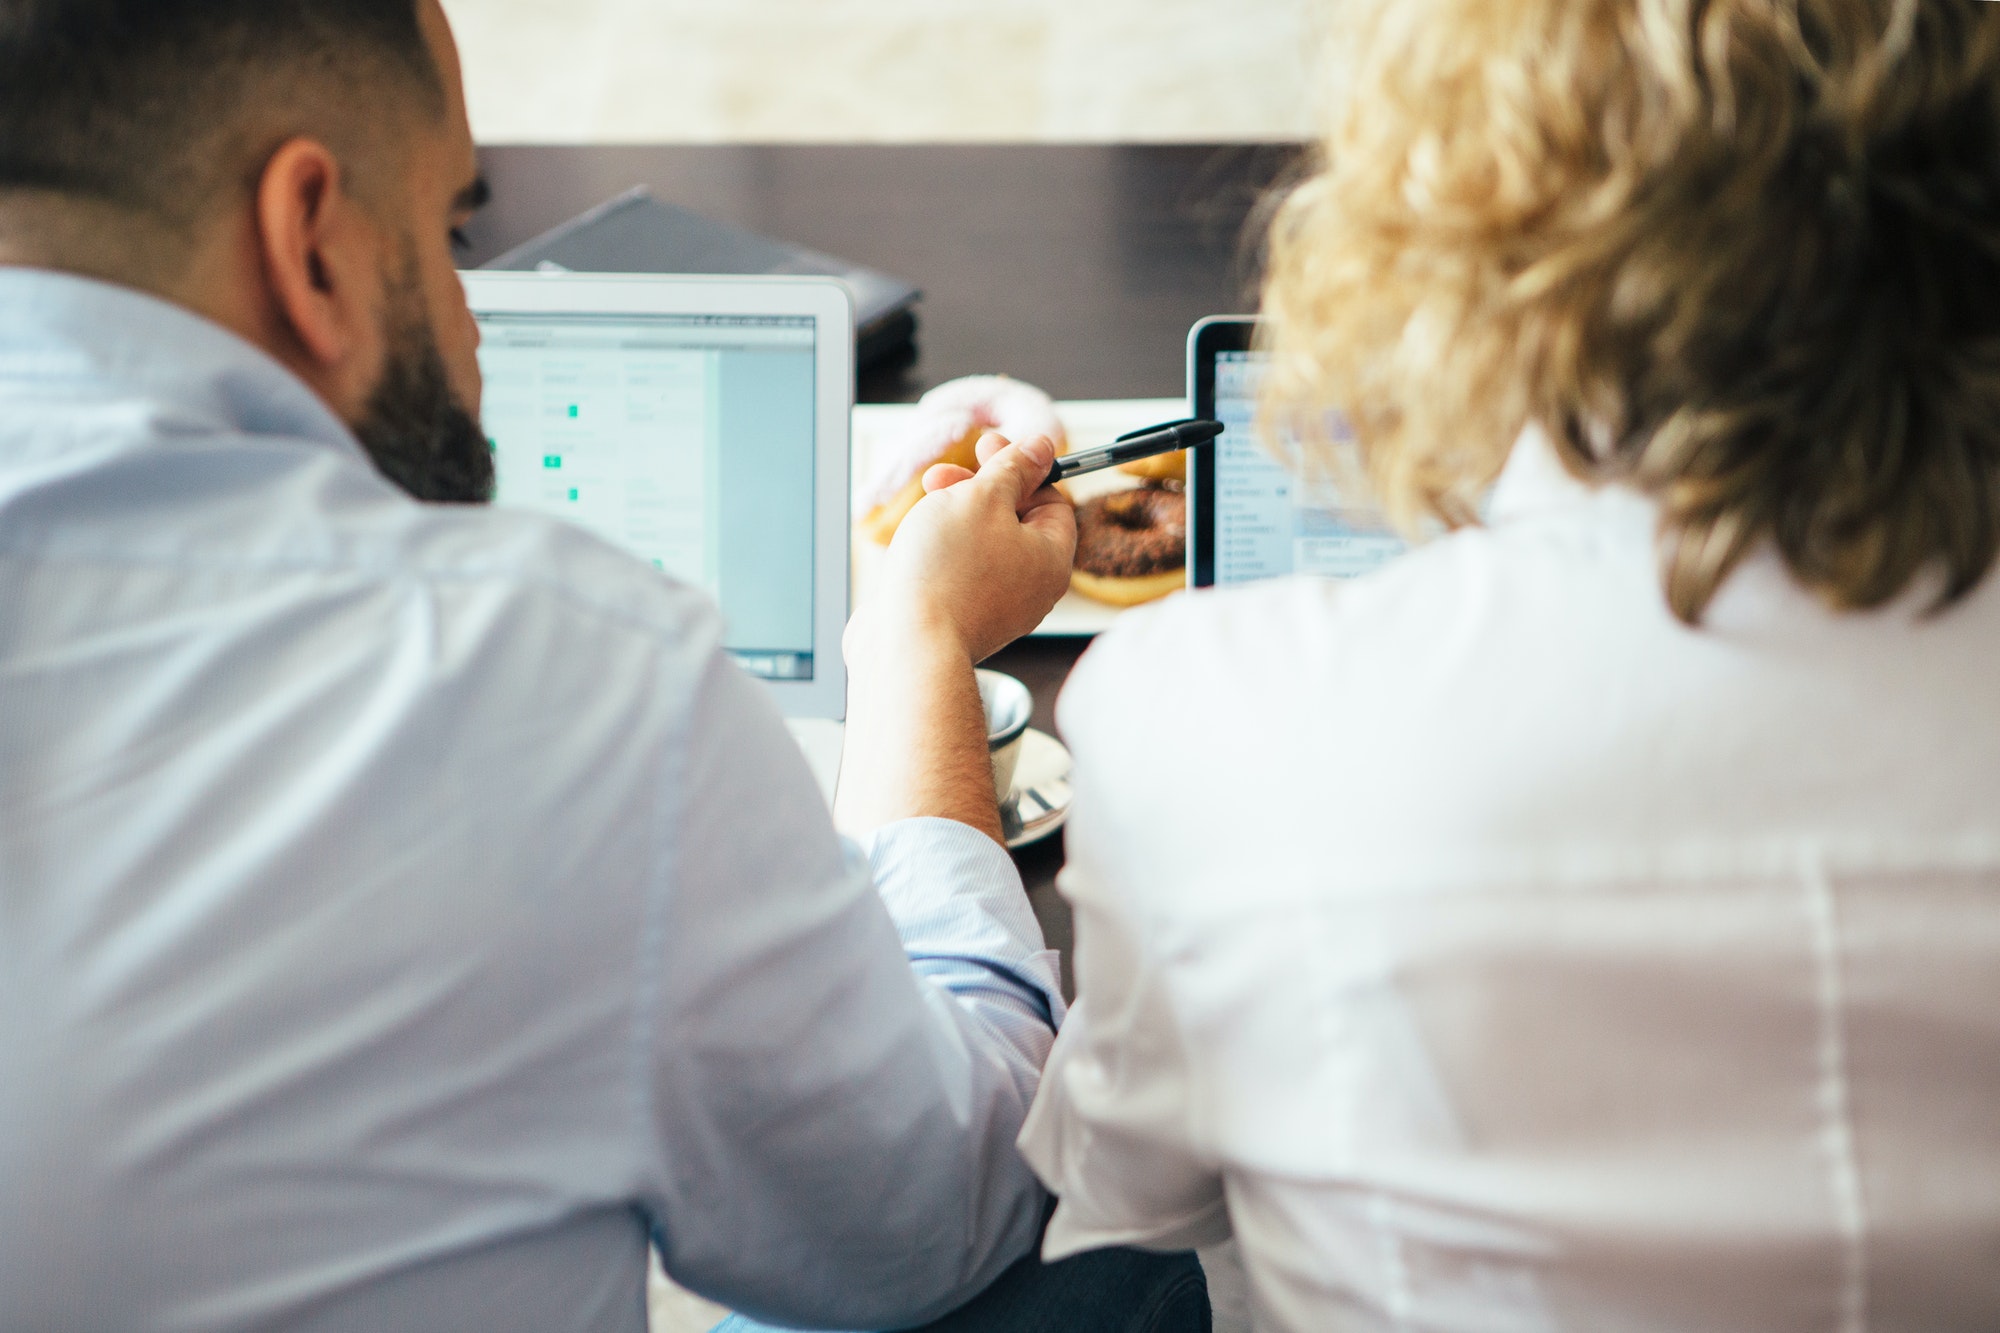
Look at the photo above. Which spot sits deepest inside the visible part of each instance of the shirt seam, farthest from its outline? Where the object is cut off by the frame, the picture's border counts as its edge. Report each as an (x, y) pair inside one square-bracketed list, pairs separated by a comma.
[(388, 575), (1772, 862), (1834, 1097), (1398, 1299), (642, 1099)]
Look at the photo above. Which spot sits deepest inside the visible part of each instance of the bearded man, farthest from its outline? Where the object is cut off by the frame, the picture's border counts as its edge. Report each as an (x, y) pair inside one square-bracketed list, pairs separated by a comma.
[(408, 913)]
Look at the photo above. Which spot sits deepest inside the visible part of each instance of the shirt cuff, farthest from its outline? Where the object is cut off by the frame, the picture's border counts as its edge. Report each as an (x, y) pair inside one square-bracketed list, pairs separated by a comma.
[(955, 895)]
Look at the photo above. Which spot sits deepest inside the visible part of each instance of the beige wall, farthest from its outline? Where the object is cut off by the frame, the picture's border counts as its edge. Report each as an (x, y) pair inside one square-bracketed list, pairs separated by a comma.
[(887, 70)]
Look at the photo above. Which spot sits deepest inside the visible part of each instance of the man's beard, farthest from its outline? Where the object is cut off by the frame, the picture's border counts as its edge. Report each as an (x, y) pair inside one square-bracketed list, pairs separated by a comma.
[(419, 435)]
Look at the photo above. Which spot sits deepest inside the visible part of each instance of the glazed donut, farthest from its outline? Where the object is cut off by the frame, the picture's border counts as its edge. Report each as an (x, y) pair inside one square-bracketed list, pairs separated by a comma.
[(1131, 546), (1160, 467), (946, 425)]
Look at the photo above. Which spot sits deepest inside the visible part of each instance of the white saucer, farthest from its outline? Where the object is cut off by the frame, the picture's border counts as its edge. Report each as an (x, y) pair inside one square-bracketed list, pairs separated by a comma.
[(1039, 803)]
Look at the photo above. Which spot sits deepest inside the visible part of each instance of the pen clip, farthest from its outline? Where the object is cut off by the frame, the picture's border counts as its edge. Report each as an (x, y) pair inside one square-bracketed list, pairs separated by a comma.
[(1155, 430)]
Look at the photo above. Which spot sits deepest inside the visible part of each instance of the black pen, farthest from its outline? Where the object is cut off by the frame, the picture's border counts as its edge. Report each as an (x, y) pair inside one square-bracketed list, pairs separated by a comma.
[(1167, 439)]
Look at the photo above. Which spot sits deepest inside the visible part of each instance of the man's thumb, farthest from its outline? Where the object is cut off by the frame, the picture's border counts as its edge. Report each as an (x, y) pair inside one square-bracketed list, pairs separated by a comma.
[(1024, 467)]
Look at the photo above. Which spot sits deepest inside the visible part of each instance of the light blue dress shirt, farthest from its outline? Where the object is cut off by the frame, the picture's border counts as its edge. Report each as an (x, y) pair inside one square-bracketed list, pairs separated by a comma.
[(407, 912)]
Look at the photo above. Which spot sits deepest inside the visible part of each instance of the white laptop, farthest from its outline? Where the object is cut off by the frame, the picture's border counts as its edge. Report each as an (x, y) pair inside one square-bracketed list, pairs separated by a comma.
[(701, 424)]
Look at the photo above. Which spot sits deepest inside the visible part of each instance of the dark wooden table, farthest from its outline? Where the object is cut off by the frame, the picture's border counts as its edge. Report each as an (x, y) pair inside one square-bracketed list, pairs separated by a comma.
[(1075, 267)]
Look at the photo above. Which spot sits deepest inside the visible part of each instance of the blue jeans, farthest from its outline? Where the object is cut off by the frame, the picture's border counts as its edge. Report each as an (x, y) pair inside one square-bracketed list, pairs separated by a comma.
[(1105, 1291)]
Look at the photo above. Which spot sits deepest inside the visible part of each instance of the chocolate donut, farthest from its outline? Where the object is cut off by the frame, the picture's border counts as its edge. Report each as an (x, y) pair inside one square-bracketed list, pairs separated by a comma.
[(1133, 534)]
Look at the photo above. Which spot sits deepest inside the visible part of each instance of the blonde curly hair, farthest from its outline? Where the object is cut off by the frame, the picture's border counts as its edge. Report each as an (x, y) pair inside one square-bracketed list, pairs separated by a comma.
[(1742, 255)]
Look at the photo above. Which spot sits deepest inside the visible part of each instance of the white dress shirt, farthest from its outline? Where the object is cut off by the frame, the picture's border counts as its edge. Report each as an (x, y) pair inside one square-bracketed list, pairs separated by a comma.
[(407, 912), (1488, 951)]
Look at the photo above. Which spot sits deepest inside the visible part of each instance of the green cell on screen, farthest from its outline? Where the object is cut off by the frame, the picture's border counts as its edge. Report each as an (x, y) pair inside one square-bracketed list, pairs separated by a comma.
[(552, 460), (572, 492), (572, 411)]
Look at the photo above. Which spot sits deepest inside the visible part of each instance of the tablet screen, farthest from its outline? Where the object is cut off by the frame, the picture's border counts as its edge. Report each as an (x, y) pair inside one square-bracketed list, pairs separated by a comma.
[(686, 439), (1263, 524)]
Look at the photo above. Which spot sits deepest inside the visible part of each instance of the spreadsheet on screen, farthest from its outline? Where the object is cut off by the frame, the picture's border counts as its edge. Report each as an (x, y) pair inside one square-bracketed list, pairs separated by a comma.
[(686, 439)]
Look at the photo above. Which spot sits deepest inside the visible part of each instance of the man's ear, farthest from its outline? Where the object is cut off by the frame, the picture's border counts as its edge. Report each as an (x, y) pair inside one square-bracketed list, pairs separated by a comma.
[(321, 259)]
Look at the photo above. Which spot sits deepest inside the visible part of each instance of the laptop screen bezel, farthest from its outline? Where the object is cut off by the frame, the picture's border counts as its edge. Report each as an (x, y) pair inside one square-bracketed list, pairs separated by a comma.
[(1209, 338)]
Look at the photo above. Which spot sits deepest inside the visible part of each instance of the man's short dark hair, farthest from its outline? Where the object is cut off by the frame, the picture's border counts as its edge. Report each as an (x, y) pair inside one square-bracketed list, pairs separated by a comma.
[(139, 103)]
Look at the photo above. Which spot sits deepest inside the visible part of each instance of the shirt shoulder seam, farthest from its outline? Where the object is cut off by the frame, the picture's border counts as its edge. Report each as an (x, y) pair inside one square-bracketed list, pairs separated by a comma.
[(385, 572)]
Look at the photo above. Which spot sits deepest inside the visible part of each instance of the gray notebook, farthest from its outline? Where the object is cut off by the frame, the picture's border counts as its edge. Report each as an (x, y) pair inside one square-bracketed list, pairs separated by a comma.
[(637, 233)]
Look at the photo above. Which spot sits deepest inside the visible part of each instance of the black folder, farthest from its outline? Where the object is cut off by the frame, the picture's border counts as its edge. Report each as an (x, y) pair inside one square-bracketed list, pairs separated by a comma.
[(637, 233)]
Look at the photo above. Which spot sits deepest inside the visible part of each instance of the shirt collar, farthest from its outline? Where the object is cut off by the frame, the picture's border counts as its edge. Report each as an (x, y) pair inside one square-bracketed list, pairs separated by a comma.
[(1533, 479), (60, 330)]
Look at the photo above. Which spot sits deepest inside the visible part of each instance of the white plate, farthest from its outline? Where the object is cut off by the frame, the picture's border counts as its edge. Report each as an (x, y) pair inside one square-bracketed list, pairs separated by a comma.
[(1089, 424), (1039, 803)]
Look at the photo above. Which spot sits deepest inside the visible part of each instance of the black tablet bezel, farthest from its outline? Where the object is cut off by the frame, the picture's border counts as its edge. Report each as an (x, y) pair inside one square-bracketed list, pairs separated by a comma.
[(1218, 333)]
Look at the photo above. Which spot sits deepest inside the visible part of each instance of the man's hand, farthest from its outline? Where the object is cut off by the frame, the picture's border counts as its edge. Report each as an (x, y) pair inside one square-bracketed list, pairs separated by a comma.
[(974, 566), (985, 555)]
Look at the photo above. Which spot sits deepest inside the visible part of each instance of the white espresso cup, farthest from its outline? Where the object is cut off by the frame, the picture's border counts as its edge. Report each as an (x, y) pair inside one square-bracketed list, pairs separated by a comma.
[(1008, 706)]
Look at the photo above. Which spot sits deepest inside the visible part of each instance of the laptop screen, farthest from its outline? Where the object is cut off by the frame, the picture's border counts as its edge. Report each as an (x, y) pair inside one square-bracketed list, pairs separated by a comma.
[(686, 439), (1261, 524)]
